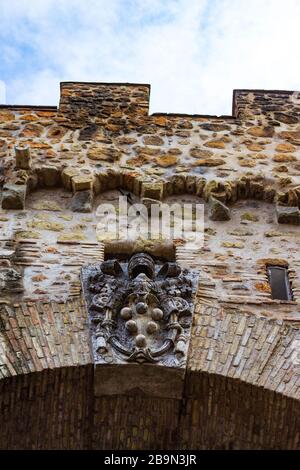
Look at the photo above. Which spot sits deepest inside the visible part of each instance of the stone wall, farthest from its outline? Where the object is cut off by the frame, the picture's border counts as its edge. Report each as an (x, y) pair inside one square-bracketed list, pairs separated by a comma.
[(56, 167)]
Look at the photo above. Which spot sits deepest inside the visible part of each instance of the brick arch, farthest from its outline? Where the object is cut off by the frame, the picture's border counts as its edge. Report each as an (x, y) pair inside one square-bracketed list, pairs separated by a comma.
[(241, 389), (225, 413), (245, 347), (56, 409), (49, 409)]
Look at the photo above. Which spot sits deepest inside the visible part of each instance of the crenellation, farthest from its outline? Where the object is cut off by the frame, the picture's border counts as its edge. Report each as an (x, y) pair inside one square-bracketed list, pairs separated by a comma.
[(94, 103), (281, 106)]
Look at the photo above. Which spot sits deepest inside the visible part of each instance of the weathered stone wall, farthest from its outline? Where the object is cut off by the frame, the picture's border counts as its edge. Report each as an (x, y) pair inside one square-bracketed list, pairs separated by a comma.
[(245, 168), (102, 138)]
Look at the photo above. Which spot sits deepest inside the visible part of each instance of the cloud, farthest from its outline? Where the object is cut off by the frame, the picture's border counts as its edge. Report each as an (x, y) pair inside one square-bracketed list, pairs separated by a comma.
[(193, 52)]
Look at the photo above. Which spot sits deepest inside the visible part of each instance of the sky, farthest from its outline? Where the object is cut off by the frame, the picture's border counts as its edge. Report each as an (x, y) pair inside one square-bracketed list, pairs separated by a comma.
[(192, 52)]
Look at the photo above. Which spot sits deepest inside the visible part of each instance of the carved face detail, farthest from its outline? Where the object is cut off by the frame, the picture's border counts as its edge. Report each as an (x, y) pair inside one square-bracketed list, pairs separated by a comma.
[(141, 263), (139, 310)]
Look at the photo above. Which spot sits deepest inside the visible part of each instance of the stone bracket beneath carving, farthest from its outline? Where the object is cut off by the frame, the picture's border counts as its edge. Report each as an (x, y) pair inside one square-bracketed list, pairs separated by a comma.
[(143, 379), (140, 318)]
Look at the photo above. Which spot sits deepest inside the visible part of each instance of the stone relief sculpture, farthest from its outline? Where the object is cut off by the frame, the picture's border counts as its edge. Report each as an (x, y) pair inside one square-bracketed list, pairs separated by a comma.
[(139, 311), (10, 281)]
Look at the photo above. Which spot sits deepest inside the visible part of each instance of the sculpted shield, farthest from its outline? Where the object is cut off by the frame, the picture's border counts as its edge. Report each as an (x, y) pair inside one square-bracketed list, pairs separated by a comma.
[(139, 311)]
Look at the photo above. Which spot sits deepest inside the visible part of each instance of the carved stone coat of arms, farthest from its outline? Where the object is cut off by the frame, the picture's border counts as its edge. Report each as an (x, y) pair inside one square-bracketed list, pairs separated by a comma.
[(139, 311)]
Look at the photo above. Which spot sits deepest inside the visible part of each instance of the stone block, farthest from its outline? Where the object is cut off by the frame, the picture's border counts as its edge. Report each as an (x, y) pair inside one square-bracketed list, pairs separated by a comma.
[(67, 175), (82, 182), (23, 157), (82, 201), (48, 176), (152, 190), (288, 215), (13, 197), (218, 210)]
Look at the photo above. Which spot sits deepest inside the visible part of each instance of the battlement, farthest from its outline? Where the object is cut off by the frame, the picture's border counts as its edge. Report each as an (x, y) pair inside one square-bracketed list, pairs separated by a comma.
[(91, 101), (283, 106)]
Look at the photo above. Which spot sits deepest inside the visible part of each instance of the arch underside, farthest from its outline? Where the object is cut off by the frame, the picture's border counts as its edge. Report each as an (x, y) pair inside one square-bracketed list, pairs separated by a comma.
[(240, 391), (56, 409)]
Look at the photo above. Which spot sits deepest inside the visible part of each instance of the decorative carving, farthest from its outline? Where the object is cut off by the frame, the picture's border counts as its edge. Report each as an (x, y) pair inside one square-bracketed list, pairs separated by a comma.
[(140, 311), (10, 281)]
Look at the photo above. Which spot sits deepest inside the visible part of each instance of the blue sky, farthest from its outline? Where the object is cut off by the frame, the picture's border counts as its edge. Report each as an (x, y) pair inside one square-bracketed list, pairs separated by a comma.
[(192, 52)]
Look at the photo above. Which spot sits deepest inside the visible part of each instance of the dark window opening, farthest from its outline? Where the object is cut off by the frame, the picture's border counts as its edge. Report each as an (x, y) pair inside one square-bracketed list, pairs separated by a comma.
[(279, 282)]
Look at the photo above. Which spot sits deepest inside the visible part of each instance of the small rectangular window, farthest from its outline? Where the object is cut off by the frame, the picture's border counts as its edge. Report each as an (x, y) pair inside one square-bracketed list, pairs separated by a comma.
[(279, 282)]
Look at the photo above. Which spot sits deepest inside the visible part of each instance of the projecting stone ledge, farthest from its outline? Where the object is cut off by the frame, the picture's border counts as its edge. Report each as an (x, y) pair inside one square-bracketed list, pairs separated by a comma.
[(13, 196), (288, 215), (82, 201), (23, 157), (218, 210)]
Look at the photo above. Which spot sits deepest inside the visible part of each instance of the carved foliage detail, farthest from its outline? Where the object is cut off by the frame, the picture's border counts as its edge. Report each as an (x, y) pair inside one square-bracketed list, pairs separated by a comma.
[(139, 311)]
